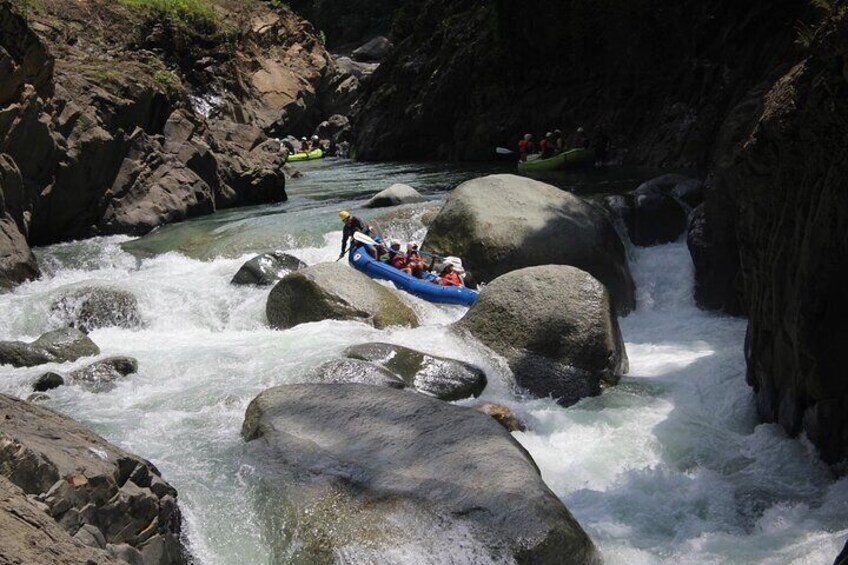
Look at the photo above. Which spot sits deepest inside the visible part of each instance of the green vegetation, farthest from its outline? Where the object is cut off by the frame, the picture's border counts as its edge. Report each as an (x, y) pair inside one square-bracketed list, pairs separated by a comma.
[(196, 12), (29, 7), (167, 80), (322, 37)]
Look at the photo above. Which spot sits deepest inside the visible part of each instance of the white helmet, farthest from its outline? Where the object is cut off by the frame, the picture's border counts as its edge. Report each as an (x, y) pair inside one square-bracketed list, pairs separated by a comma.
[(456, 263), (528, 136), (580, 130), (314, 138)]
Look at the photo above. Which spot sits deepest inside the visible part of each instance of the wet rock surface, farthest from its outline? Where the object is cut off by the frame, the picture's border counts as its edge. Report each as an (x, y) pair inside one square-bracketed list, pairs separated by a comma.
[(68, 344), (445, 379), (267, 269), (353, 371), (395, 195), (95, 492), (555, 327), (331, 291), (501, 223), (345, 463), (503, 416), (101, 376)]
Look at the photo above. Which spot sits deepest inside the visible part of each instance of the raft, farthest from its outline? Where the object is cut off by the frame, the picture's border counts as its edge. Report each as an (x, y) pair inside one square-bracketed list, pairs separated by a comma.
[(426, 289), (571, 159), (312, 155)]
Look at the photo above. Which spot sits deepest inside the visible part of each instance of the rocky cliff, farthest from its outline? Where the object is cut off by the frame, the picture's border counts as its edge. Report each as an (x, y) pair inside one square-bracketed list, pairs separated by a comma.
[(656, 78), (116, 117), (772, 239)]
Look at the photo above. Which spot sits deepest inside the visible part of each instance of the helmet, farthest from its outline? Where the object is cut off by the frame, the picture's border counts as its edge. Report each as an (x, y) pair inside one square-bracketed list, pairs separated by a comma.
[(394, 242), (528, 136), (549, 134), (314, 138), (412, 245), (454, 262), (557, 131), (303, 139), (344, 215), (580, 130)]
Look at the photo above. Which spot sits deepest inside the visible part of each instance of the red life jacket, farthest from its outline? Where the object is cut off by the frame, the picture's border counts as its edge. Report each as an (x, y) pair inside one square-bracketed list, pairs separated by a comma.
[(398, 261), (522, 146), (450, 279)]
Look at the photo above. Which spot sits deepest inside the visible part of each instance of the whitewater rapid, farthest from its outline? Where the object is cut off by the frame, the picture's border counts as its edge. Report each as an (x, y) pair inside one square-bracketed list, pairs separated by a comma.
[(670, 466)]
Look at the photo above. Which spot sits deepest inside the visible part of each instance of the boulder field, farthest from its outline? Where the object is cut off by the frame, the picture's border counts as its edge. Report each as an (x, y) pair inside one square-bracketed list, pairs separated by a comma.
[(371, 473), (501, 223), (103, 502)]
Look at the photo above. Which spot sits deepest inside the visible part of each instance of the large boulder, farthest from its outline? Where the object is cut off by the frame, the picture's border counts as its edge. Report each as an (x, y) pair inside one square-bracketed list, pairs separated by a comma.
[(555, 326), (101, 375), (67, 344), (266, 269), (367, 474), (501, 223), (395, 195), (446, 379), (94, 307), (98, 493), (335, 292), (17, 263), (372, 51)]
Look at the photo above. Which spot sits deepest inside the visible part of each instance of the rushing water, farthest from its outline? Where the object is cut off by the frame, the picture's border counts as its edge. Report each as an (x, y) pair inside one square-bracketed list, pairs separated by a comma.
[(670, 466)]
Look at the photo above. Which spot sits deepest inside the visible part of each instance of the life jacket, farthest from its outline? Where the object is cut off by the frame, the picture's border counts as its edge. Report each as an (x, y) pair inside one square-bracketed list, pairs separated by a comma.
[(522, 146), (398, 261), (450, 279)]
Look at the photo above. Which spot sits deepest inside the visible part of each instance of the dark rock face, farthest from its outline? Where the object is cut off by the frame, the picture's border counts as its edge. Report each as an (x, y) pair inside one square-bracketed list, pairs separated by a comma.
[(353, 371), (98, 307), (657, 217), (501, 223), (330, 291), (97, 493), (17, 263), (445, 379), (372, 51), (266, 269), (68, 344), (395, 195), (349, 22), (791, 227), (346, 461), (488, 72), (556, 329)]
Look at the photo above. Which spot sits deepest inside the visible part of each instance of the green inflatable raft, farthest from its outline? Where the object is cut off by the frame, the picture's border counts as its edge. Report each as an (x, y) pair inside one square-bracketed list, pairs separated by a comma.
[(573, 158), (312, 155)]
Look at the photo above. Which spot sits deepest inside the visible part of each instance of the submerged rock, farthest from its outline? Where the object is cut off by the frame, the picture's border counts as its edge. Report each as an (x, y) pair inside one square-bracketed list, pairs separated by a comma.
[(368, 473), (67, 344), (446, 379), (555, 326), (353, 371), (98, 307), (501, 223), (331, 291), (395, 195), (503, 416), (87, 484), (48, 381), (266, 269), (100, 376)]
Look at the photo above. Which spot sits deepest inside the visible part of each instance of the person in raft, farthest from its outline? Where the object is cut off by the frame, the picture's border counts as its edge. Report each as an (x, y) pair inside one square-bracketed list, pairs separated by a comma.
[(352, 224), (449, 275), (304, 145), (526, 146), (580, 139), (548, 146)]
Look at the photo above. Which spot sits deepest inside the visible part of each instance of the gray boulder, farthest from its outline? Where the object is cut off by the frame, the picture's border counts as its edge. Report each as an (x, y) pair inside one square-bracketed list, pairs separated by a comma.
[(17, 263), (67, 344), (84, 482), (101, 375), (336, 292), (445, 379), (365, 474), (395, 195), (501, 223), (48, 381), (555, 326), (373, 51), (90, 308), (353, 371), (266, 269)]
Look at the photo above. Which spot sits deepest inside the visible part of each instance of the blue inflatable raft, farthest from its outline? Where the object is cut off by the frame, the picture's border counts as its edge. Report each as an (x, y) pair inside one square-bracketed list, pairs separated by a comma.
[(427, 288)]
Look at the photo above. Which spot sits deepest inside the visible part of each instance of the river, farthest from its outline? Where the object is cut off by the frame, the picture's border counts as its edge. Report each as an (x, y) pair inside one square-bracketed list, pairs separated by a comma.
[(670, 466)]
